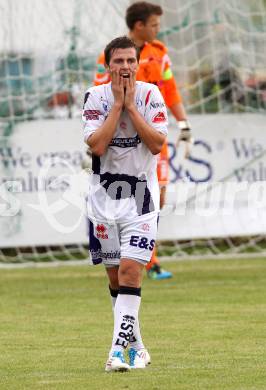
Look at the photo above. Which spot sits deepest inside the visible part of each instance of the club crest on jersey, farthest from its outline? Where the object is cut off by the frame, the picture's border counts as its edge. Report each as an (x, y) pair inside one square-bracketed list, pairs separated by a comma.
[(159, 117), (145, 227), (104, 104), (101, 231)]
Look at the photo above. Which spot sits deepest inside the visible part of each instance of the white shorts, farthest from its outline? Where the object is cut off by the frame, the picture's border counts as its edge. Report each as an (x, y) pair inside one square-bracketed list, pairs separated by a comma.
[(132, 240)]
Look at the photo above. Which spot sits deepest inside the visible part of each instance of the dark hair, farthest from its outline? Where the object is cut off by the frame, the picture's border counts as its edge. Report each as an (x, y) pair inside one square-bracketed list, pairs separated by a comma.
[(141, 11), (119, 43)]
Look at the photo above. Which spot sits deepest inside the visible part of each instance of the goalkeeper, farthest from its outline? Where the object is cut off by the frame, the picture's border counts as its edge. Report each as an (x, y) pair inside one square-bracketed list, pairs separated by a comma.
[(143, 21)]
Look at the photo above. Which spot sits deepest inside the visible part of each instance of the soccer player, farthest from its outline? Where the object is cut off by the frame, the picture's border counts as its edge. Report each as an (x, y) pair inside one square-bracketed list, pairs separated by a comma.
[(143, 21), (125, 128)]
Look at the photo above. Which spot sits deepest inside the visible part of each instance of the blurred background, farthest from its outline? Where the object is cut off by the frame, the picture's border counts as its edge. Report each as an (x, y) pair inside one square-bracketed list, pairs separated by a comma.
[(48, 51)]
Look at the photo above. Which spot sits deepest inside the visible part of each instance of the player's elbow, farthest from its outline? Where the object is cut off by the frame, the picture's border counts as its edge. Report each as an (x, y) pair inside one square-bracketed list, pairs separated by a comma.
[(97, 150), (157, 146), (156, 149)]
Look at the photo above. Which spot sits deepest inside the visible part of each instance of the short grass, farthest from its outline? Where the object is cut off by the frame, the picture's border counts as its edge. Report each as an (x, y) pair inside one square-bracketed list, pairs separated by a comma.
[(205, 328)]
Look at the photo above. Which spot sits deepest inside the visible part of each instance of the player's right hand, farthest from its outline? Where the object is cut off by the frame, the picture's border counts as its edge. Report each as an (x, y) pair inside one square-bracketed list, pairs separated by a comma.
[(117, 88)]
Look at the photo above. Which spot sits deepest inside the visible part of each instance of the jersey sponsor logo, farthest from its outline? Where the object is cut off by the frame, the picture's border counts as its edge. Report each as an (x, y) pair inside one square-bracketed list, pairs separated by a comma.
[(126, 331), (159, 117), (139, 103), (92, 115), (157, 104), (142, 242), (101, 232), (101, 228), (125, 142), (102, 236), (95, 254)]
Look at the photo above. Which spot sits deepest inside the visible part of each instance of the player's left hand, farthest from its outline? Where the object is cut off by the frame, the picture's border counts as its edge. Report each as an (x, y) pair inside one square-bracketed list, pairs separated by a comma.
[(186, 137), (117, 87), (130, 89)]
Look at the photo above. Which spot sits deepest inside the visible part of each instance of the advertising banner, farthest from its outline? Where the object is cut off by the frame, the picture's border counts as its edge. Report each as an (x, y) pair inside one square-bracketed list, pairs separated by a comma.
[(41, 200), (217, 192), (220, 190)]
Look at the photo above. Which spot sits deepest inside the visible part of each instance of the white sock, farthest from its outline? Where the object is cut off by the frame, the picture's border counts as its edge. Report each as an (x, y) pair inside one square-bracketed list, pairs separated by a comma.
[(125, 317), (113, 294), (136, 340)]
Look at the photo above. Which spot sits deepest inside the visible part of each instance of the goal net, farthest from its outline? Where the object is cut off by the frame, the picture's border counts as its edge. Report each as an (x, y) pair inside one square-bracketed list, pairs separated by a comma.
[(48, 51), (218, 53)]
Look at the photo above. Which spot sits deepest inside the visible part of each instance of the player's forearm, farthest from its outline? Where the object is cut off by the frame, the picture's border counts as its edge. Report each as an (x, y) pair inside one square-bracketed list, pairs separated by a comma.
[(99, 141), (152, 138), (178, 111)]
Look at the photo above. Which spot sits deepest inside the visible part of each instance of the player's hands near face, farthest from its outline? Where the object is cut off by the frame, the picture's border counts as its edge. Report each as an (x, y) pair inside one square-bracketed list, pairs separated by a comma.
[(117, 88), (130, 90)]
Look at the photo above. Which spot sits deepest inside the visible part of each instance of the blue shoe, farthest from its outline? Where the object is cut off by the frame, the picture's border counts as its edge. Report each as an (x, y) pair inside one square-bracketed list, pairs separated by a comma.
[(138, 359), (116, 362), (157, 273)]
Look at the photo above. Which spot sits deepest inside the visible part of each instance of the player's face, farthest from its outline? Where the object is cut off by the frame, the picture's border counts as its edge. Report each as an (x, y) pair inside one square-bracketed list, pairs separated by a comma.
[(151, 28), (124, 60)]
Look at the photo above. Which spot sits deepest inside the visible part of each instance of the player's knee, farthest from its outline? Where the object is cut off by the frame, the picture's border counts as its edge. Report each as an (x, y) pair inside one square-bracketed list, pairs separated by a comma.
[(129, 275)]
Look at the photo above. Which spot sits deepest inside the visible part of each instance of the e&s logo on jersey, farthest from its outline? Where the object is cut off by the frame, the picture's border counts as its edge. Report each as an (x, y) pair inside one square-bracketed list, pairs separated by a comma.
[(101, 232)]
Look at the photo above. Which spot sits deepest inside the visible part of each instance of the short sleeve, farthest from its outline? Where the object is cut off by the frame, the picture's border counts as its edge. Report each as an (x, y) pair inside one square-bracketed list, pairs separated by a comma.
[(155, 110), (92, 115)]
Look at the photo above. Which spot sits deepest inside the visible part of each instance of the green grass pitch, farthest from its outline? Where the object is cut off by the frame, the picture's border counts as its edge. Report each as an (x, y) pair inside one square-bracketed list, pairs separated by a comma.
[(205, 328)]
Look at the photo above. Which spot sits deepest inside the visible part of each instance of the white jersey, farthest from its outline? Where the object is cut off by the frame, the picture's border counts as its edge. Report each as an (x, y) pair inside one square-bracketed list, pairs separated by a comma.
[(124, 182)]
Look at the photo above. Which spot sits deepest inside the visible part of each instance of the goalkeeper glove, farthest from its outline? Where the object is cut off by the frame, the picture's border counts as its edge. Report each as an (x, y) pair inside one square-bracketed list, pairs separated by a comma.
[(185, 136)]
